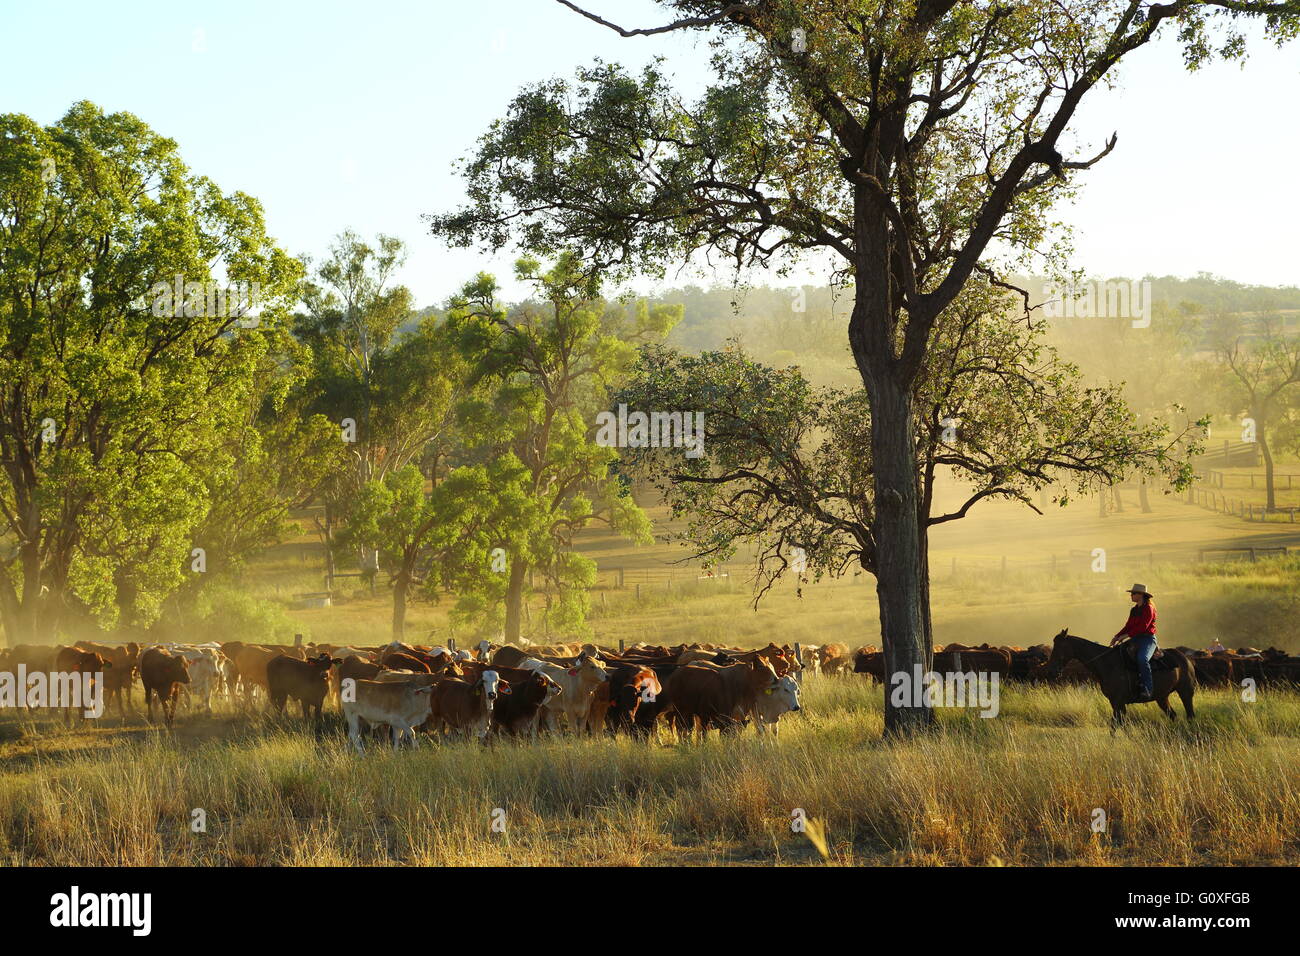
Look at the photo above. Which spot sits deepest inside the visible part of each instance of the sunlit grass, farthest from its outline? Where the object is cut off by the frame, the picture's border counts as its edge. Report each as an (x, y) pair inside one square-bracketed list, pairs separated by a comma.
[(1018, 789)]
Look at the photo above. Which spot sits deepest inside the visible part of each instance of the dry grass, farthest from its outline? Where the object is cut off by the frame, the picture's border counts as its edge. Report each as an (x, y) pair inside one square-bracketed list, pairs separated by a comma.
[(1019, 789)]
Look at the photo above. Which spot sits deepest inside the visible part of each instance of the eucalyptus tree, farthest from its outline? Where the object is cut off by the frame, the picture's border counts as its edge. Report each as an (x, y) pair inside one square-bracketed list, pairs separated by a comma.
[(788, 468), (548, 365), (139, 307), (914, 145)]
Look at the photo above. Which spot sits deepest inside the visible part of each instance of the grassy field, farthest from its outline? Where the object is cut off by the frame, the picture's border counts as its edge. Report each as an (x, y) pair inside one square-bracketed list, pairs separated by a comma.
[(1023, 788)]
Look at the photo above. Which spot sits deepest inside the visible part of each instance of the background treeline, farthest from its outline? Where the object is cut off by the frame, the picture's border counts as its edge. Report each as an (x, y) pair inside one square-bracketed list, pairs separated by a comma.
[(150, 450)]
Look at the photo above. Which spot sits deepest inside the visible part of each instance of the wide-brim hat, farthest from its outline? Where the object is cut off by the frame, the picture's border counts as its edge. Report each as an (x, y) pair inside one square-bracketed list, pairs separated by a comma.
[(1140, 589)]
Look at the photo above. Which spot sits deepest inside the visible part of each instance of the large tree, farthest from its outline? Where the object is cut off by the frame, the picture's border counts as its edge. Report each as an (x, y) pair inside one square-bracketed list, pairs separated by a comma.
[(551, 362), (788, 466), (898, 139), (129, 358)]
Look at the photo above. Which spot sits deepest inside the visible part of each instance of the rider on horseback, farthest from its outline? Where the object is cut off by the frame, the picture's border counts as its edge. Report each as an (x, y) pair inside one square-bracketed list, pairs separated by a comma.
[(1141, 630)]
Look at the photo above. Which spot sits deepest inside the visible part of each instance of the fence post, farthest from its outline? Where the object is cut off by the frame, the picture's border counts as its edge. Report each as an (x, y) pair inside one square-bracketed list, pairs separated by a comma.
[(451, 644), (620, 579), (297, 640), (620, 640), (638, 591)]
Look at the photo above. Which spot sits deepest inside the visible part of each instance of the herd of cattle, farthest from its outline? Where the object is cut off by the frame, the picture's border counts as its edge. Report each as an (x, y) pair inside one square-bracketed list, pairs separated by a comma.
[(510, 691), (501, 690)]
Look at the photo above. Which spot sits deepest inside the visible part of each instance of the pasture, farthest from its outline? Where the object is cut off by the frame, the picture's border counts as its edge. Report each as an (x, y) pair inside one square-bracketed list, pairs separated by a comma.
[(1019, 789)]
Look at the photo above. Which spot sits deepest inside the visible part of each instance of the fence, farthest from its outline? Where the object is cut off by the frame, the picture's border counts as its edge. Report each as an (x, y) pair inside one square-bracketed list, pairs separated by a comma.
[(1085, 568), (1223, 503), (1231, 453), (1220, 479)]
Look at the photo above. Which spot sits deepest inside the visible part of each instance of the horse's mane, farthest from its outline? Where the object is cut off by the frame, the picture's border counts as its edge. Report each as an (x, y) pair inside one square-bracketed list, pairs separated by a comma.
[(1065, 632)]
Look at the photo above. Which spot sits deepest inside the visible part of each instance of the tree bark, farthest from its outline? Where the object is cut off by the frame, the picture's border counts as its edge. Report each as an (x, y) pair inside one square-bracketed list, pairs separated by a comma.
[(900, 568), (515, 600), (1269, 492)]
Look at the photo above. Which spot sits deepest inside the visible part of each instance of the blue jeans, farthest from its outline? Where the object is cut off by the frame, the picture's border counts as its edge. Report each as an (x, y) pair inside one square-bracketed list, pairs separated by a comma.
[(1144, 647)]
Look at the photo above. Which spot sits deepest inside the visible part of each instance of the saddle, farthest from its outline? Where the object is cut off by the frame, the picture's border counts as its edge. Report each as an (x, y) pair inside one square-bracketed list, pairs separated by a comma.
[(1159, 660)]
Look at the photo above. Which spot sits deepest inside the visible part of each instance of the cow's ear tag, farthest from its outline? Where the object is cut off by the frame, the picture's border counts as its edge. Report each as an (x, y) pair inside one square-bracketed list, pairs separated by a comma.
[(573, 672), (478, 690), (768, 691)]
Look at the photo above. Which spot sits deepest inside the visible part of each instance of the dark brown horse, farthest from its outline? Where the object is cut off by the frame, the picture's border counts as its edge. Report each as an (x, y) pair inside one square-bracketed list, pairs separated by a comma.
[(1118, 676)]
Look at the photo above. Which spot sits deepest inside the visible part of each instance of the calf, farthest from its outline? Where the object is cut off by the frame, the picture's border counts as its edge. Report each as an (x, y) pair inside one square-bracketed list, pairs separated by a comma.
[(305, 681), (518, 713), (400, 706), (466, 707), (162, 673)]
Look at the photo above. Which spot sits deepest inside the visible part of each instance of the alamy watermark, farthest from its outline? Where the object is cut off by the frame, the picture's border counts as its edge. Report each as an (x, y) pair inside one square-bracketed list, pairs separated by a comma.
[(626, 429), (76, 689), (208, 299), (950, 689), (1114, 299)]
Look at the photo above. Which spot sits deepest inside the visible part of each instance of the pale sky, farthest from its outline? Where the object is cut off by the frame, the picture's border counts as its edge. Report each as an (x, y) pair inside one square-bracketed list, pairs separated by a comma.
[(339, 115)]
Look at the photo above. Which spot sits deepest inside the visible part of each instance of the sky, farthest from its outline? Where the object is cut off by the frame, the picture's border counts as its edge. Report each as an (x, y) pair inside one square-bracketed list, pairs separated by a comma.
[(349, 115)]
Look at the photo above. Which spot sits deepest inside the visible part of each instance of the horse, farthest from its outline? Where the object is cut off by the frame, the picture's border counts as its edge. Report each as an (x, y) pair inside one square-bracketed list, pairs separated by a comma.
[(1118, 677)]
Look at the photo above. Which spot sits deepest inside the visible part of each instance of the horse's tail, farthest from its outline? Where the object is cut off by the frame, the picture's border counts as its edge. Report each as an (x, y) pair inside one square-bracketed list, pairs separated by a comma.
[(1186, 687)]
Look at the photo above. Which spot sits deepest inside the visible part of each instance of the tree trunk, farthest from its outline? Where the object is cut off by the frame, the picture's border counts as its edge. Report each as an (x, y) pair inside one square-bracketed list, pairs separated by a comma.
[(1270, 498), (515, 600), (900, 569), (1143, 500), (327, 536)]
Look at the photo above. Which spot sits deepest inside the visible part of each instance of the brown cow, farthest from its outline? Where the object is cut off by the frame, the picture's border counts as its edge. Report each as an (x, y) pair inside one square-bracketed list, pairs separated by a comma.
[(465, 706), (403, 661), (517, 712), (73, 660), (251, 660), (305, 681), (870, 661), (834, 659), (120, 677), (709, 695), (162, 672)]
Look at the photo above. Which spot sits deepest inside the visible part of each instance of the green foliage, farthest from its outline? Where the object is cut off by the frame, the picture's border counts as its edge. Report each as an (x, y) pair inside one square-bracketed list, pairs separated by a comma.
[(789, 465), (118, 415), (544, 369)]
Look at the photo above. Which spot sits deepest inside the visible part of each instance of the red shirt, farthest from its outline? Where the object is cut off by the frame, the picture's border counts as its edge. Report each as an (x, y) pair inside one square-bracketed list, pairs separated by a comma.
[(1141, 620)]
